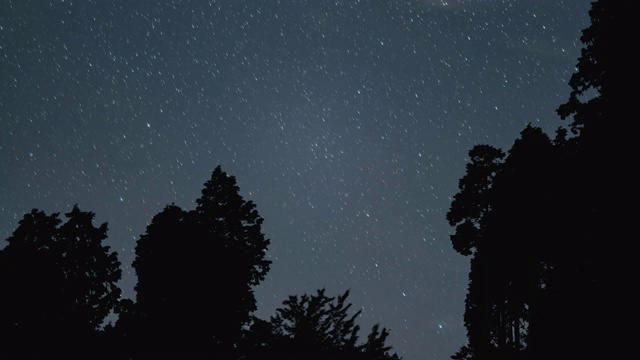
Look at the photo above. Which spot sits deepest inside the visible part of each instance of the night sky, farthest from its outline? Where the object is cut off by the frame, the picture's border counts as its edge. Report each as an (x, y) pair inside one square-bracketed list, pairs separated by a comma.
[(347, 122)]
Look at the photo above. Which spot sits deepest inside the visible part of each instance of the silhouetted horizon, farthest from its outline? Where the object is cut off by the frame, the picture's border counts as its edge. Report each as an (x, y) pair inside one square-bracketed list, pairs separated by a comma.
[(349, 127)]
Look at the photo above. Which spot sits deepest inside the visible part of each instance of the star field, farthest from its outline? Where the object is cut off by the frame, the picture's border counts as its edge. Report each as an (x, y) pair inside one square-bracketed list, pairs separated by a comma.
[(347, 122)]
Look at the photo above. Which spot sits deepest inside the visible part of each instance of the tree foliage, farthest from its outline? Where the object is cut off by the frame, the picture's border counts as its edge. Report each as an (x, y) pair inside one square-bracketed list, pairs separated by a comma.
[(604, 183), (472, 203), (317, 326), (511, 211), (59, 284), (196, 272), (536, 222)]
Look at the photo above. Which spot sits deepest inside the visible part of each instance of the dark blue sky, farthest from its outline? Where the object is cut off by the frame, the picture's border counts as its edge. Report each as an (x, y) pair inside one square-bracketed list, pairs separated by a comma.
[(347, 123)]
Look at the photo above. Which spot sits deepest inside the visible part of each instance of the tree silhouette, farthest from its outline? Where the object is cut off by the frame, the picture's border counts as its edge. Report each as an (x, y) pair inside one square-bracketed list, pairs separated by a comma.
[(58, 284), (602, 178), (316, 327), (468, 210), (600, 86), (544, 226), (196, 271), (510, 217), (90, 271)]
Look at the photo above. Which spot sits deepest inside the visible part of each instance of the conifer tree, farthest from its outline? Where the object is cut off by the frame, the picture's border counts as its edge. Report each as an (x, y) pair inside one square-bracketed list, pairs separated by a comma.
[(196, 272), (59, 283)]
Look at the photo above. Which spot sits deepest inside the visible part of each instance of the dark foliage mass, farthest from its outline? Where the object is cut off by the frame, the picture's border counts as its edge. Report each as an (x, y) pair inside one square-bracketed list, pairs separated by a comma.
[(194, 297), (315, 327), (195, 274), (544, 223), (58, 285)]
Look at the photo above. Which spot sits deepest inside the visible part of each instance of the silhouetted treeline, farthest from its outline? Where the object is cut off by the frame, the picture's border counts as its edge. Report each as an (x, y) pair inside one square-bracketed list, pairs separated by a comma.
[(196, 271), (315, 327), (57, 285), (547, 226), (547, 223)]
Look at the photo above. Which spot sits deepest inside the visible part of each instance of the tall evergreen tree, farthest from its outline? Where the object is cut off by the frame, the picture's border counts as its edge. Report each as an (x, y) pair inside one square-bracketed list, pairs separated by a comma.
[(546, 231), (59, 283), (158, 325), (505, 218), (91, 272), (468, 210), (196, 272), (603, 181)]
